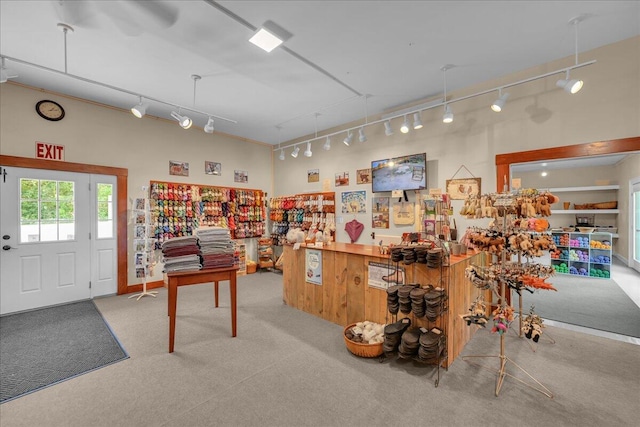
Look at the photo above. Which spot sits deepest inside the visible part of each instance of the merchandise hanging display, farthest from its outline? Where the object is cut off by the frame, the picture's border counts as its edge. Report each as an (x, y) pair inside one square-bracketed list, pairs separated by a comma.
[(143, 245)]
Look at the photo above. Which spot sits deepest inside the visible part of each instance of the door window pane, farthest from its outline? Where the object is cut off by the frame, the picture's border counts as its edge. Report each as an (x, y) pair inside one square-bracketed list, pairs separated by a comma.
[(105, 211), (47, 210)]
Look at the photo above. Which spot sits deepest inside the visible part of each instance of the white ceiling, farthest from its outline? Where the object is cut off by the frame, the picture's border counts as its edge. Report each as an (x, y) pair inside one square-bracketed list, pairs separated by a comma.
[(340, 51)]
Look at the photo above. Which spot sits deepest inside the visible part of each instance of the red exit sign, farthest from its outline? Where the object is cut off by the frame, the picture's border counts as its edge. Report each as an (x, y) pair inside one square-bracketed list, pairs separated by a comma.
[(49, 151)]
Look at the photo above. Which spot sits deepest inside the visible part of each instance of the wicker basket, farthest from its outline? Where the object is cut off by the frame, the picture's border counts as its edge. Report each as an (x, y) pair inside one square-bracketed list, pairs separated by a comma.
[(361, 349)]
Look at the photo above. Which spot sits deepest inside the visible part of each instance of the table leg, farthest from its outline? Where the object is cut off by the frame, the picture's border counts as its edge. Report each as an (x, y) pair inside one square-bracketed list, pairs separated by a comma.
[(215, 291), (173, 302), (232, 291)]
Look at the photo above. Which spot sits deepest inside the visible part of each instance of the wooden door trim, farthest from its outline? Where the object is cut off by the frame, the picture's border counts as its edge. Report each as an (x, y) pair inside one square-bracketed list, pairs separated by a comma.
[(614, 146), (121, 204)]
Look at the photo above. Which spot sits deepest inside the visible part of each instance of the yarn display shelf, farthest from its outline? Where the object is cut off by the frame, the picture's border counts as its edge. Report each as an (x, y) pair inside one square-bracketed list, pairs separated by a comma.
[(361, 349)]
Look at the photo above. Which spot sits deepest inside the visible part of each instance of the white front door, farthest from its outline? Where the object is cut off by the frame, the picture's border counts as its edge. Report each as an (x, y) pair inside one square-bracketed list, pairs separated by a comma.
[(45, 226), (104, 248)]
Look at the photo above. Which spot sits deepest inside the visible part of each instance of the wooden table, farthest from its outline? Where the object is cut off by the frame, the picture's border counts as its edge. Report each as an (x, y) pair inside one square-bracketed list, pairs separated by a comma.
[(195, 277)]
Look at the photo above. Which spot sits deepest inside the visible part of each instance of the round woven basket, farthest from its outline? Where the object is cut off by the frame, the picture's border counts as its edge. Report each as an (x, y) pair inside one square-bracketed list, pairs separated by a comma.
[(361, 349)]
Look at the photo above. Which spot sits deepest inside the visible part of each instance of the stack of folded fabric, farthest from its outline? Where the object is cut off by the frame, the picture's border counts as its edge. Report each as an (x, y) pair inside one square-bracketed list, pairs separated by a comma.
[(216, 247), (181, 254)]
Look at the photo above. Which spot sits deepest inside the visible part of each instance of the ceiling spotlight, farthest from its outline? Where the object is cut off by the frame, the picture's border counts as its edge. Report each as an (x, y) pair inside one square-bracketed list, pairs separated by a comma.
[(387, 128), (347, 140), (308, 152), (417, 123), (544, 173), (327, 144), (282, 154), (295, 152), (361, 136), (269, 36), (139, 110), (405, 125), (570, 85), (498, 104), (184, 121), (448, 115), (208, 128)]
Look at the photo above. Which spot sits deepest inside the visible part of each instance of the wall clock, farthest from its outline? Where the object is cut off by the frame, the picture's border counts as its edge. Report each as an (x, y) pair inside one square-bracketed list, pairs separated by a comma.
[(50, 110)]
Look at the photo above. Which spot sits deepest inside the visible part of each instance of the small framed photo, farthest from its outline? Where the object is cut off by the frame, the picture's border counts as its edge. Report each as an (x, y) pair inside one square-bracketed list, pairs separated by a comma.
[(240, 176), (212, 168), (139, 204), (178, 168), (313, 175), (342, 179), (363, 176)]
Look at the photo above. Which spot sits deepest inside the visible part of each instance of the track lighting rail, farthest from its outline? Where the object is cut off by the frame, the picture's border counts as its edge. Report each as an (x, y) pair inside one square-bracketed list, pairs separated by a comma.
[(108, 86), (439, 103)]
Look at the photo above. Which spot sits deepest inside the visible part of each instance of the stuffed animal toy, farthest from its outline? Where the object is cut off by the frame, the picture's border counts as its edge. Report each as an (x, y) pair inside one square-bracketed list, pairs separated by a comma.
[(542, 206), (295, 235)]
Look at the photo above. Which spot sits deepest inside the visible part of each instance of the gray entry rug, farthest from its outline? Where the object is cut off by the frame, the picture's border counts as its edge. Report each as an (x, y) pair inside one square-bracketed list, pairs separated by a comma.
[(43, 347), (593, 303)]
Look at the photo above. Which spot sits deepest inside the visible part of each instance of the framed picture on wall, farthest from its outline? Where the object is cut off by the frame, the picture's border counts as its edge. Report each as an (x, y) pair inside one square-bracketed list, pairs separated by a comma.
[(363, 176), (342, 179), (460, 189), (178, 168), (240, 176), (212, 168), (313, 175)]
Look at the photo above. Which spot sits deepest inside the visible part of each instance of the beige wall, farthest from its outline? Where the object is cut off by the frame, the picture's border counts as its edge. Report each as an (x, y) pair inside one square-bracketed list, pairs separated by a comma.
[(626, 170), (94, 134), (537, 115)]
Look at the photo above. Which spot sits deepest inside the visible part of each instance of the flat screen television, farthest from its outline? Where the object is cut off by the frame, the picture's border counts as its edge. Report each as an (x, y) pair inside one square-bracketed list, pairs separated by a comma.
[(399, 173)]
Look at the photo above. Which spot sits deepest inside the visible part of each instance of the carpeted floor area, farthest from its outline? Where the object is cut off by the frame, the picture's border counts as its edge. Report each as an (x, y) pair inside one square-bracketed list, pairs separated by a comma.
[(289, 368), (593, 303), (43, 347)]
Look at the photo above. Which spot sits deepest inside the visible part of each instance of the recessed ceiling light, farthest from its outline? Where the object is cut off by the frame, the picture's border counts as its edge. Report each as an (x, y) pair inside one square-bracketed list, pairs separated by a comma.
[(269, 36), (544, 173)]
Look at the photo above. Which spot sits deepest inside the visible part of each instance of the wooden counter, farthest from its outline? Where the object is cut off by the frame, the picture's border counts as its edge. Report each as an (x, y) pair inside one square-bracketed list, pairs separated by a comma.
[(345, 297)]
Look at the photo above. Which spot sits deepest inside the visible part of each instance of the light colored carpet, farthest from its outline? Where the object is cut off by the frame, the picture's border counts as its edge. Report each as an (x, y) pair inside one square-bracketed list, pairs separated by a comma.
[(288, 368), (593, 303)]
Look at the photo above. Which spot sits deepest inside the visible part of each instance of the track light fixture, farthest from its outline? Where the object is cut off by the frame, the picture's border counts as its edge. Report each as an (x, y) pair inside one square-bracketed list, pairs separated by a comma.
[(327, 144), (295, 152), (448, 115), (570, 85), (405, 125), (498, 104), (307, 152), (282, 154), (347, 140), (139, 110), (417, 123), (361, 136), (208, 128), (387, 128), (184, 121)]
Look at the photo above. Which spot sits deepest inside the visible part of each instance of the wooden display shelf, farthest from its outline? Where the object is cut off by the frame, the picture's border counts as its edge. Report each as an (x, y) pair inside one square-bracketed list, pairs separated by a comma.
[(344, 296)]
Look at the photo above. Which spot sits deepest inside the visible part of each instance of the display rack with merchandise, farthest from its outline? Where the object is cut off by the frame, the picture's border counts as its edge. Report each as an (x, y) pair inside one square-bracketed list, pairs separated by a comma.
[(143, 246), (525, 237), (309, 212), (179, 209)]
